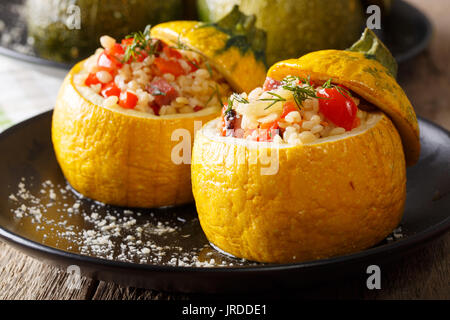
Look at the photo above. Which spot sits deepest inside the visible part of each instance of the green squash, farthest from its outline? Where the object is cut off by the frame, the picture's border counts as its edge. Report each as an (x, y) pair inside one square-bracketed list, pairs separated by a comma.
[(372, 47), (49, 21), (385, 5), (296, 27)]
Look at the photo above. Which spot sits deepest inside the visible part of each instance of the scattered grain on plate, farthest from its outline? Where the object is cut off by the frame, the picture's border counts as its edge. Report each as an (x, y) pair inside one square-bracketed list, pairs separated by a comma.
[(108, 232)]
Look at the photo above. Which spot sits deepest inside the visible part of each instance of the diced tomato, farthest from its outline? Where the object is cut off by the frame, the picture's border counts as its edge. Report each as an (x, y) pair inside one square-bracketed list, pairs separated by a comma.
[(108, 63), (270, 84), (263, 135), (141, 56), (222, 121), (163, 92), (267, 131), (306, 81), (197, 108), (287, 108), (127, 41), (224, 108), (193, 64), (269, 125), (249, 132), (117, 50), (267, 134), (338, 107), (91, 79), (172, 52), (110, 89), (169, 66), (128, 100)]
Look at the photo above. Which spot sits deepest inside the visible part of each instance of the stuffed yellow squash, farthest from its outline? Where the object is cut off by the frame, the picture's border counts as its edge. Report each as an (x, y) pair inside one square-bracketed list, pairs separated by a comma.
[(312, 164), (118, 116)]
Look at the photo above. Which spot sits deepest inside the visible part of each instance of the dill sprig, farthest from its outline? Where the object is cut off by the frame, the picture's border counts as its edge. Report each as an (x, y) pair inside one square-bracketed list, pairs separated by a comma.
[(275, 98), (230, 102), (344, 92), (237, 97), (156, 91), (208, 67), (142, 41), (216, 92), (302, 89), (328, 84), (230, 105), (297, 79), (181, 46), (300, 92)]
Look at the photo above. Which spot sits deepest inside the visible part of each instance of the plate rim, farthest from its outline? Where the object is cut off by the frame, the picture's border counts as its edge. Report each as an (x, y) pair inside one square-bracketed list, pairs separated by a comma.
[(410, 242), (11, 53), (423, 44)]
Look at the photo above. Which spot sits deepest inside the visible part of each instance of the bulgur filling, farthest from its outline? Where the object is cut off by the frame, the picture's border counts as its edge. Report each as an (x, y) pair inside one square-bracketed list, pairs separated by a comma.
[(292, 111), (148, 75)]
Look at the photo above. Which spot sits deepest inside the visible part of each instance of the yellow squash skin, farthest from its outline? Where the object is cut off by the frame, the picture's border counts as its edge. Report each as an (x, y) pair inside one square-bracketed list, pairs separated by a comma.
[(367, 78), (243, 71), (118, 157), (327, 199), (124, 158)]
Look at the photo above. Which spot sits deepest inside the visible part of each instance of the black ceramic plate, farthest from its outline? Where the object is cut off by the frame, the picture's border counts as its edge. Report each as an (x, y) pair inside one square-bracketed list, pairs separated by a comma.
[(406, 32), (165, 249)]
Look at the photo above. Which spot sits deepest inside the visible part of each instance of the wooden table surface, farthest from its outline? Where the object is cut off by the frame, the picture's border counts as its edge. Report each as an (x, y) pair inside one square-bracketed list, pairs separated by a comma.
[(423, 274)]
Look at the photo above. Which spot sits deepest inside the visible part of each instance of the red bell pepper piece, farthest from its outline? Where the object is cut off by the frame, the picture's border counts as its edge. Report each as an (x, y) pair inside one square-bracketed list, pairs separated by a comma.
[(169, 66), (128, 100)]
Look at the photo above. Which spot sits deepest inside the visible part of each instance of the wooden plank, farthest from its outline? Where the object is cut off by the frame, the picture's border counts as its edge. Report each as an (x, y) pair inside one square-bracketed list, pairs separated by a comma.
[(426, 78), (22, 277), (112, 291), (423, 275)]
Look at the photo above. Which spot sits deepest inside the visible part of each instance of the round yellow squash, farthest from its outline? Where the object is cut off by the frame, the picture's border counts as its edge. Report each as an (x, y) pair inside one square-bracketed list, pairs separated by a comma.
[(243, 69), (364, 76), (335, 196), (124, 157)]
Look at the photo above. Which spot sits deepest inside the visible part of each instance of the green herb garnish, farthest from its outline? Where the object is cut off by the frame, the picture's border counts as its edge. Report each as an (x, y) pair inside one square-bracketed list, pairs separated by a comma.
[(216, 93), (300, 93), (157, 92), (344, 92), (275, 98), (239, 98), (208, 67), (181, 46), (142, 42), (327, 84), (230, 106)]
